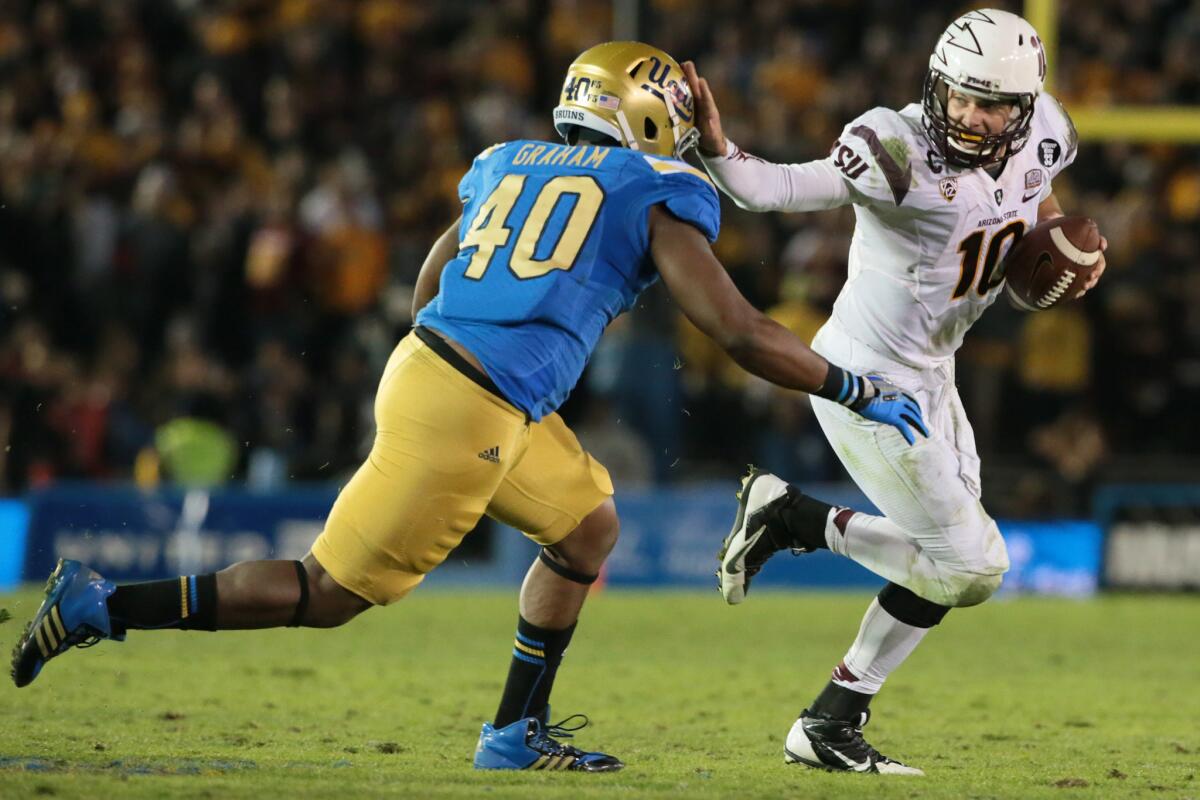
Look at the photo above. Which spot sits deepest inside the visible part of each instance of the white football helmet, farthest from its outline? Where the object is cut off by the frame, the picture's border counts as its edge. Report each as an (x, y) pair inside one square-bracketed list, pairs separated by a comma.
[(993, 55)]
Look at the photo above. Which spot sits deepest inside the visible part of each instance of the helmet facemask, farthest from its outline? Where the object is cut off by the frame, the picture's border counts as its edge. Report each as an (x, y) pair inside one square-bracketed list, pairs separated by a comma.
[(958, 145), (992, 56)]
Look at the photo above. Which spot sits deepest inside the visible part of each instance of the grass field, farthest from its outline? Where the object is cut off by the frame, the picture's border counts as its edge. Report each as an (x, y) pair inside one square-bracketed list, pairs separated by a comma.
[(1027, 698)]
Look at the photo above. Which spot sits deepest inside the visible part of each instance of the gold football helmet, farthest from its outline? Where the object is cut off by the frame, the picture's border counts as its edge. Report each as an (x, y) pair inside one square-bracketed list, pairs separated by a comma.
[(631, 92)]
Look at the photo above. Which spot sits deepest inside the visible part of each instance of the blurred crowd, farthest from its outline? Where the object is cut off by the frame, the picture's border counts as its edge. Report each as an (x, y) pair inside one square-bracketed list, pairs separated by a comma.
[(212, 215)]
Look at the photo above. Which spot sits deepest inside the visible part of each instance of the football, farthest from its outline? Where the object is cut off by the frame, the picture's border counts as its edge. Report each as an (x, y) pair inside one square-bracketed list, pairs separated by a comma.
[(1052, 262)]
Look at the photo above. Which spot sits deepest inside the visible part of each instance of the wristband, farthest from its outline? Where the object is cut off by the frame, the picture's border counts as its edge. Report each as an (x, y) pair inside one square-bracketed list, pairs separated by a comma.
[(844, 387)]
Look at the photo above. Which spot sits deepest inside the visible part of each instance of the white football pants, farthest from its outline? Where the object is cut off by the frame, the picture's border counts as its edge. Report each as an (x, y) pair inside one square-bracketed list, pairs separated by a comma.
[(935, 539)]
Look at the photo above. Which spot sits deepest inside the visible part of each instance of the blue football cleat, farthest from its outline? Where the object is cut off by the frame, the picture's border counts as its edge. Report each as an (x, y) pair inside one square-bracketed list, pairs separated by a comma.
[(527, 744), (74, 614)]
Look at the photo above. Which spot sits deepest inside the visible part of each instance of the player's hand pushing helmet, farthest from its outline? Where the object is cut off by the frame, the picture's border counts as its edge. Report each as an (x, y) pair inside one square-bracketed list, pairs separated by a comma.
[(632, 93)]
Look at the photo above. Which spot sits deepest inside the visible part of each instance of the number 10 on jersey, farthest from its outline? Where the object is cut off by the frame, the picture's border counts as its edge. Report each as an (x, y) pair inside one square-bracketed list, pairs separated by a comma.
[(972, 246), (490, 229)]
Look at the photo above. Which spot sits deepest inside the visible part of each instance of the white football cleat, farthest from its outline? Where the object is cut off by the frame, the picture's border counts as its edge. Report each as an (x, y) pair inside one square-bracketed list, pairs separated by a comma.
[(747, 547), (837, 745)]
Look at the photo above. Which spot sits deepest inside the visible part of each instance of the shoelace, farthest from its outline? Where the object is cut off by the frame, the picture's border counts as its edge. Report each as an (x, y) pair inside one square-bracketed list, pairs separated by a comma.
[(561, 730), (859, 747), (542, 740), (84, 638)]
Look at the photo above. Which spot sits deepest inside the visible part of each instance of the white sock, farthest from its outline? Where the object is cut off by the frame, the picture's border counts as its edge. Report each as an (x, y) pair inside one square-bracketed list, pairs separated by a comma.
[(882, 645), (883, 547)]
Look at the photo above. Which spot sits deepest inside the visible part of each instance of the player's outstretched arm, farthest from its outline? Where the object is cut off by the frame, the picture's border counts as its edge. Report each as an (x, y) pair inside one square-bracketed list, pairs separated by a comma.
[(442, 252), (708, 297), (752, 183)]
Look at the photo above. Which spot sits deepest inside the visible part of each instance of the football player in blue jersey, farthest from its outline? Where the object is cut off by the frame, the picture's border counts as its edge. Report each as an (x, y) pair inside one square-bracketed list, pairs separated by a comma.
[(555, 241)]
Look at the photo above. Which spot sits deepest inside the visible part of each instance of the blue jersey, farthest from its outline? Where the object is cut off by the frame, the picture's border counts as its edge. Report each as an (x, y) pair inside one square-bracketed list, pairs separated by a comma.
[(554, 244)]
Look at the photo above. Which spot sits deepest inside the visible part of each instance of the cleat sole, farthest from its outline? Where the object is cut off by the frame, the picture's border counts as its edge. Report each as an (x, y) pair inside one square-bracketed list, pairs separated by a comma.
[(743, 495), (28, 634), (791, 758)]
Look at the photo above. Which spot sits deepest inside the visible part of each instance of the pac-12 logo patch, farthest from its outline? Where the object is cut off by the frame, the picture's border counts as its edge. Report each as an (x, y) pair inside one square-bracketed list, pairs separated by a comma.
[(1049, 152), (948, 188), (1033, 179)]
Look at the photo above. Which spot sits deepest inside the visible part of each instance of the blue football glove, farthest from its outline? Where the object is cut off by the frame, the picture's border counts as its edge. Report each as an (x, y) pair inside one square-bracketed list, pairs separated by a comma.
[(886, 403)]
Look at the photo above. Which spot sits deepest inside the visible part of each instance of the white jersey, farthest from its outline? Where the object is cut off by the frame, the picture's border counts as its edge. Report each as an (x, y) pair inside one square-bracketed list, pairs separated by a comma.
[(929, 239)]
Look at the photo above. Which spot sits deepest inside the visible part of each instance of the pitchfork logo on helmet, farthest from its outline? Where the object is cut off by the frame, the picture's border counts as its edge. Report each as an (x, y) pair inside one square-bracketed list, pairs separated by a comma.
[(632, 93), (994, 56)]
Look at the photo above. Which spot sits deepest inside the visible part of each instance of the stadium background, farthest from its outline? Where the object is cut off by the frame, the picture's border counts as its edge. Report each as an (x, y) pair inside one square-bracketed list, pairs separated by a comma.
[(213, 215)]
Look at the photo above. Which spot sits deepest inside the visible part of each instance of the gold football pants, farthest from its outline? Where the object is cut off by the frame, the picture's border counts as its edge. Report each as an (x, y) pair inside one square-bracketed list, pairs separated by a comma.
[(446, 452)]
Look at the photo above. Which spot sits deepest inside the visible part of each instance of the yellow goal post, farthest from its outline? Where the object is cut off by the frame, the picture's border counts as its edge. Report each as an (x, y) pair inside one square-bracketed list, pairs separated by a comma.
[(1179, 124)]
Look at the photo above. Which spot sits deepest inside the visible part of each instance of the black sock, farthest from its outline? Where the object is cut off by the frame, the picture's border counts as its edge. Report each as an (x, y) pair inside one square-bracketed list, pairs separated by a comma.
[(188, 602), (838, 702), (537, 653), (798, 521)]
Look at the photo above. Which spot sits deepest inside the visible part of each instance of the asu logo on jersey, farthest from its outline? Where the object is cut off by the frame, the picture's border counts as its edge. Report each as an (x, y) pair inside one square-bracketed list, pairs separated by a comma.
[(957, 273)]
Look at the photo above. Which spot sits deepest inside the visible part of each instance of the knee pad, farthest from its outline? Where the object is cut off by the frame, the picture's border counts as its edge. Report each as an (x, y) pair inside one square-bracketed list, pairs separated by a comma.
[(995, 552), (982, 572), (971, 589)]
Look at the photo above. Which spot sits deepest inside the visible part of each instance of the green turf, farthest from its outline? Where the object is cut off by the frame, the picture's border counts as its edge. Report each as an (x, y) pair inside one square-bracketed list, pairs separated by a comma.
[(1025, 699)]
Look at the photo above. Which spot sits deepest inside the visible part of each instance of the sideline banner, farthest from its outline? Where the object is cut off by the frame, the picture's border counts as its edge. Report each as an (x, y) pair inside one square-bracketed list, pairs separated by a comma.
[(128, 534), (669, 539), (1152, 537), (14, 525)]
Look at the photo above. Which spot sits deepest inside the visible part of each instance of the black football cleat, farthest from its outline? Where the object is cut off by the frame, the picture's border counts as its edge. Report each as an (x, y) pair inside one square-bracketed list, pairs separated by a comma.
[(837, 745), (750, 544)]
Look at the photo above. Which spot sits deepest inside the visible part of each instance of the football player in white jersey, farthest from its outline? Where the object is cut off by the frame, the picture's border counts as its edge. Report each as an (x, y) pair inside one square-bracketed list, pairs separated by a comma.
[(941, 190)]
